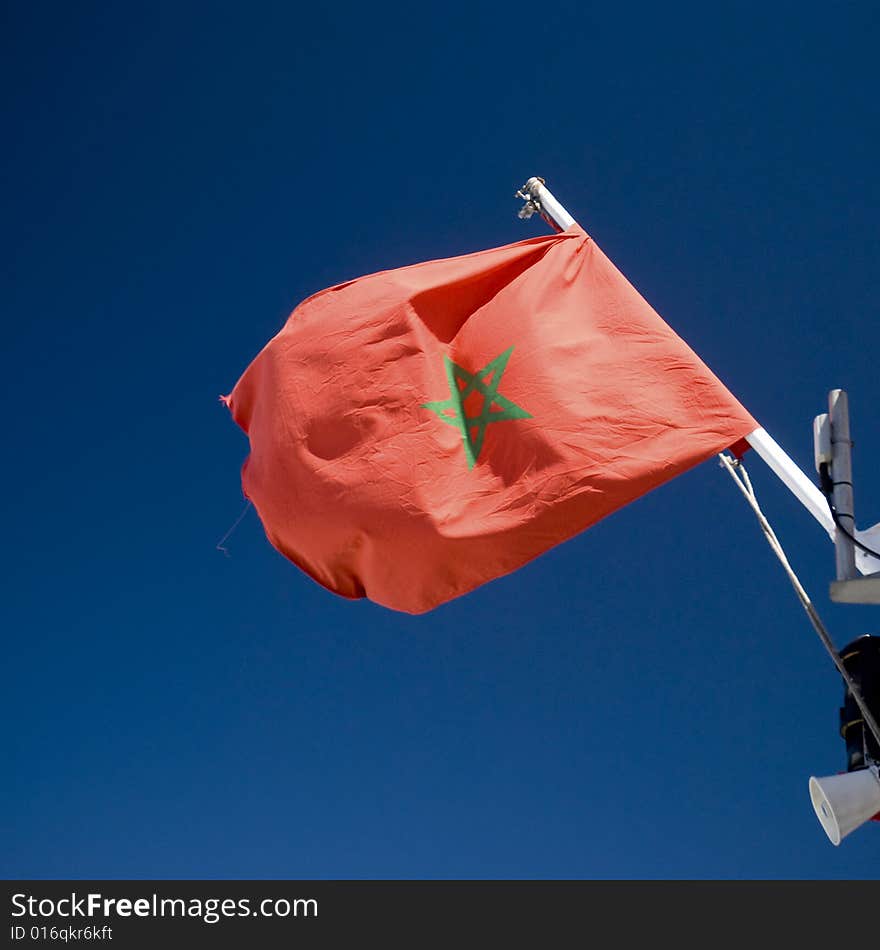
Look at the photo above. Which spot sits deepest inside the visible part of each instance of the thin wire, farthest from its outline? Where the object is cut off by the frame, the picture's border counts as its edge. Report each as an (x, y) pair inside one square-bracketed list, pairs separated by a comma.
[(745, 486), (236, 523)]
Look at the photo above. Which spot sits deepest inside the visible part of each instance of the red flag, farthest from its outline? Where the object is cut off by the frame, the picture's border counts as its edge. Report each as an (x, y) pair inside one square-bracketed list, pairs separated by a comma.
[(418, 432)]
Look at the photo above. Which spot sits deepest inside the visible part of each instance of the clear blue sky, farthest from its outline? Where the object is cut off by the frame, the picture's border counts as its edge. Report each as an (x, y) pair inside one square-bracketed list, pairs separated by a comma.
[(645, 701)]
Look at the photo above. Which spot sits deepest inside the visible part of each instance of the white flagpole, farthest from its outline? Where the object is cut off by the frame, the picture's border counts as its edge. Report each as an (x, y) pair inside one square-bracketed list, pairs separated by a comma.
[(538, 198), (770, 452)]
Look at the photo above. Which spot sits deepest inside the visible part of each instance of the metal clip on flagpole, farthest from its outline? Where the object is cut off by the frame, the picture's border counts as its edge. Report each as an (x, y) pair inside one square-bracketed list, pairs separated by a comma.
[(538, 198)]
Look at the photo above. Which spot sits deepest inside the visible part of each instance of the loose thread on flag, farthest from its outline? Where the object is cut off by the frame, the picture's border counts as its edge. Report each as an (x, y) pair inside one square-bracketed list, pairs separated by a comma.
[(236, 523)]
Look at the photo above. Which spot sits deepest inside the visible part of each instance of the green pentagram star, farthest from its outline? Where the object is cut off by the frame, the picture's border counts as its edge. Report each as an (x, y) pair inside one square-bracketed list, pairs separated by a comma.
[(496, 408)]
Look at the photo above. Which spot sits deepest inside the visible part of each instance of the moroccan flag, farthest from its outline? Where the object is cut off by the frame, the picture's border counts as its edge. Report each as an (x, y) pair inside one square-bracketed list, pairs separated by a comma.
[(420, 431)]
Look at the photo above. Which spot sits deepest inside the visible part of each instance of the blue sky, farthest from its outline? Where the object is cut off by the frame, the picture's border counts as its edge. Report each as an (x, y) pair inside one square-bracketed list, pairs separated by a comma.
[(645, 701)]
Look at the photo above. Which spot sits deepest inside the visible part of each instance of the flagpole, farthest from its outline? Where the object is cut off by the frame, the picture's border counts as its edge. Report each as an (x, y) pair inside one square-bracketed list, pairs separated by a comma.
[(784, 468), (539, 199)]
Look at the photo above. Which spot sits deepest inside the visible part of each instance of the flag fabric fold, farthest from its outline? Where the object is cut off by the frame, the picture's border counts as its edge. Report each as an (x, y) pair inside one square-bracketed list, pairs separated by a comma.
[(418, 432)]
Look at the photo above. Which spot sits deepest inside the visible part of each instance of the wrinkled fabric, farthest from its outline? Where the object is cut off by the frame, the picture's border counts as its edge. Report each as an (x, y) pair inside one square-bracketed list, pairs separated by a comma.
[(377, 479)]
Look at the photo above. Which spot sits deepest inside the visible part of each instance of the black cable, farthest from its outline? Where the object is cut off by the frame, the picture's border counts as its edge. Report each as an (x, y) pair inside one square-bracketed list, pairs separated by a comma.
[(826, 483), (863, 547)]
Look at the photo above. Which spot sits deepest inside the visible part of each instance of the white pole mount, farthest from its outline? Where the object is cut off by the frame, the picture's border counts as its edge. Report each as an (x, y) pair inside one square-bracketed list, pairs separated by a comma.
[(538, 198), (849, 588)]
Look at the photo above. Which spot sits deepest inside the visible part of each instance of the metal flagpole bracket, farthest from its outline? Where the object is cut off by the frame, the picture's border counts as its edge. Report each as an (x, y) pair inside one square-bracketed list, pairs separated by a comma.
[(538, 198), (532, 204), (832, 447)]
